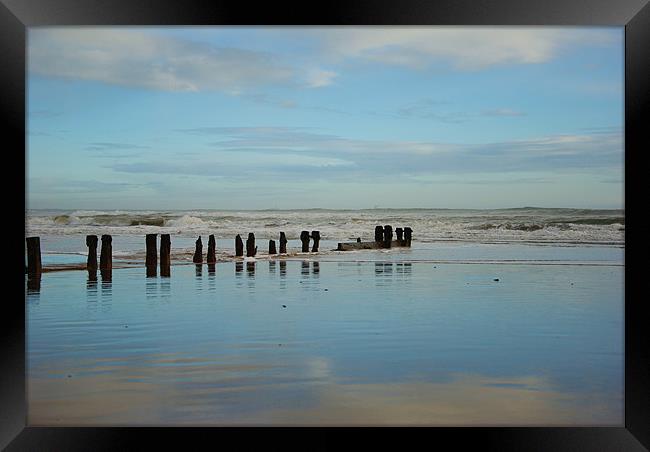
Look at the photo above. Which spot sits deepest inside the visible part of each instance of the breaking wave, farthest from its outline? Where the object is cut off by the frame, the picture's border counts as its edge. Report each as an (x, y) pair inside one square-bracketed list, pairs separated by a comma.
[(429, 225)]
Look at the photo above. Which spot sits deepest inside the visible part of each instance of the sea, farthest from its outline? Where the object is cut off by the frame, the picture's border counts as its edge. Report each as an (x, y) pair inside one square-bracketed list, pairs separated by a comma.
[(491, 318)]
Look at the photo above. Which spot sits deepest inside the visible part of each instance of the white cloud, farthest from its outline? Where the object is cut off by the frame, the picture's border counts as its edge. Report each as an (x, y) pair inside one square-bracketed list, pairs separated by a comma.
[(130, 57), (465, 48), (317, 78)]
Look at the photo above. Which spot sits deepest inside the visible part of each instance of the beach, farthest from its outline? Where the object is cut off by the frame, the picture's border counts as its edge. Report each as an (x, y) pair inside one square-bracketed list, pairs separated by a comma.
[(494, 331)]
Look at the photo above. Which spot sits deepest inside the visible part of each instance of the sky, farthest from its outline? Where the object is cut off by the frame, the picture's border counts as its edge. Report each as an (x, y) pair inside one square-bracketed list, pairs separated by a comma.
[(159, 118)]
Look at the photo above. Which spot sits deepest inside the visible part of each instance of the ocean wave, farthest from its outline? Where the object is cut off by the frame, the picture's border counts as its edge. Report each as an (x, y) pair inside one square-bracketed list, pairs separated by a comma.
[(542, 225)]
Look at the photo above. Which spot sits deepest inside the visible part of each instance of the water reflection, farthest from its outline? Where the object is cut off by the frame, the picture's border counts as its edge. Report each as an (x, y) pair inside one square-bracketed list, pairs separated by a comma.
[(250, 269), (304, 269), (151, 288), (239, 267), (212, 280), (316, 268), (199, 271), (283, 275), (91, 286), (107, 285), (151, 271), (34, 284), (165, 289), (107, 274), (272, 266)]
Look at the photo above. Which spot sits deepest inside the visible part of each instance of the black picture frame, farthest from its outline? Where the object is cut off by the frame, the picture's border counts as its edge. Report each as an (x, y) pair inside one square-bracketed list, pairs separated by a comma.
[(634, 15)]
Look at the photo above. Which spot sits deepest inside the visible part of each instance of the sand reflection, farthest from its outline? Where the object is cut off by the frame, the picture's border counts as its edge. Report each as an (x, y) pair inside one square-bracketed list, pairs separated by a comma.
[(178, 391)]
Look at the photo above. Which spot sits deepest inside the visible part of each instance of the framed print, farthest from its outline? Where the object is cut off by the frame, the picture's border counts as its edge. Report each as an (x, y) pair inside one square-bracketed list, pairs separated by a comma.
[(413, 216)]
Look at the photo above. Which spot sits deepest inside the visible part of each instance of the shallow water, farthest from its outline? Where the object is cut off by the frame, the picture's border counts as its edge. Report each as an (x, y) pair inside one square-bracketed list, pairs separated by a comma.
[(335, 342)]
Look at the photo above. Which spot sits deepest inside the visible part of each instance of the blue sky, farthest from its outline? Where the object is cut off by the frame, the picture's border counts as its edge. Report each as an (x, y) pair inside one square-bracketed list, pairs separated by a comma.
[(302, 117)]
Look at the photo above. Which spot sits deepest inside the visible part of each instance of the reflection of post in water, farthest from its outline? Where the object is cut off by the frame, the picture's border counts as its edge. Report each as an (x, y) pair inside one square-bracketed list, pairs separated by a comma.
[(272, 266), (316, 268), (107, 275), (384, 269), (304, 269), (152, 271), (107, 279), (151, 287), (239, 267), (283, 268), (34, 283), (250, 268), (211, 277), (403, 268), (199, 270), (91, 285), (165, 288)]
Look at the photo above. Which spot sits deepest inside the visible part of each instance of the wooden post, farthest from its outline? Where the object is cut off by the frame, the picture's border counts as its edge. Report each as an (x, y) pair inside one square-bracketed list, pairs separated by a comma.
[(91, 243), (33, 255), (304, 238), (316, 236), (400, 235), (283, 243), (198, 252), (407, 236), (388, 236), (379, 234), (165, 251), (239, 246), (152, 252), (251, 249), (272, 249), (106, 256), (212, 250)]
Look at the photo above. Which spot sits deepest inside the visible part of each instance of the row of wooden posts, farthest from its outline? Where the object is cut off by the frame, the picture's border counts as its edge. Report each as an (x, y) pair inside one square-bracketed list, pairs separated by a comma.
[(251, 249), (106, 260), (383, 239)]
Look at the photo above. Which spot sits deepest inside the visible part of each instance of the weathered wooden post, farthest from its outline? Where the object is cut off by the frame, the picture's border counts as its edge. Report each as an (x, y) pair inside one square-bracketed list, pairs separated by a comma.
[(91, 262), (239, 246), (198, 252), (400, 236), (283, 243), (304, 238), (33, 255), (407, 236), (251, 249), (152, 252), (272, 249), (379, 234), (388, 235), (165, 251), (316, 236), (211, 258), (106, 256)]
